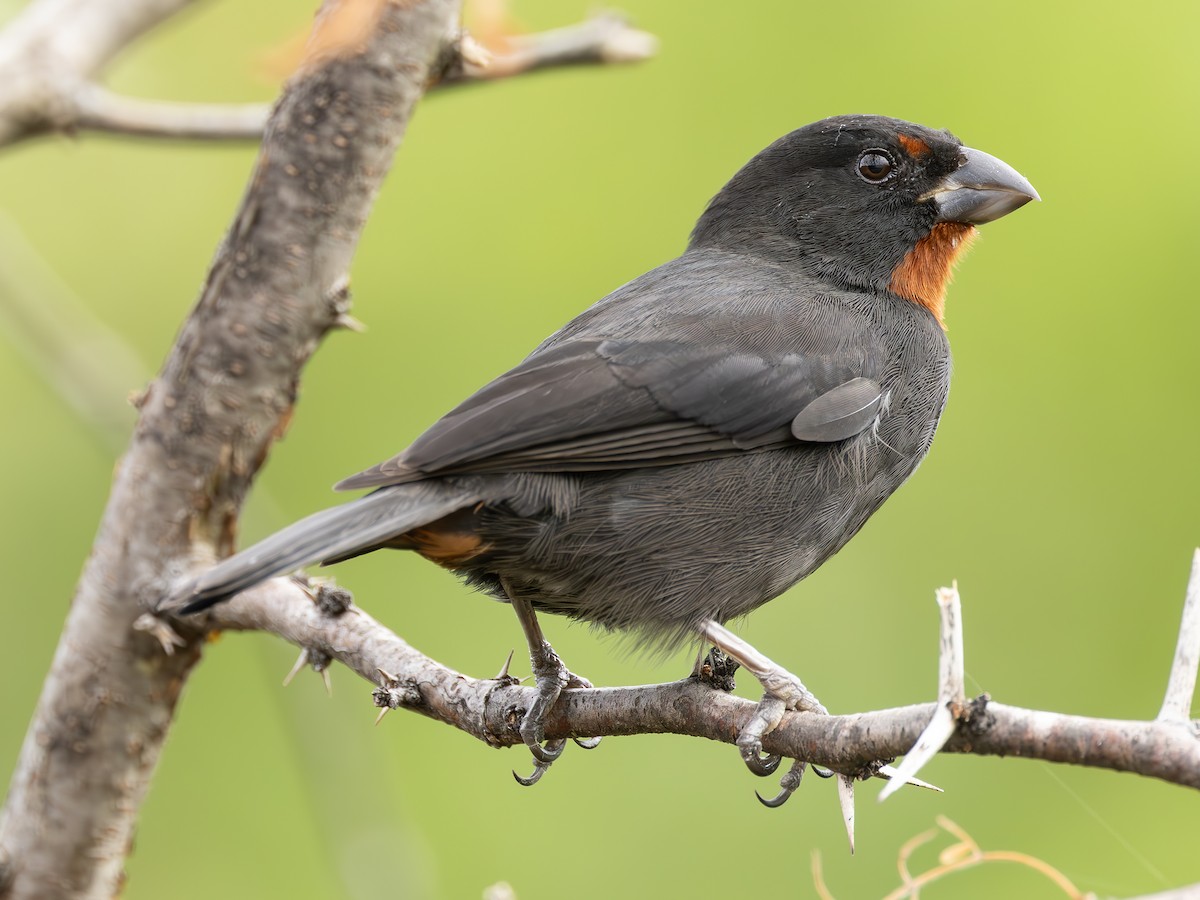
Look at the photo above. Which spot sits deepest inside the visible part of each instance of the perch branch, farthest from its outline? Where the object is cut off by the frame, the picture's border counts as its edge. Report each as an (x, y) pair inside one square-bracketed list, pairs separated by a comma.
[(490, 709)]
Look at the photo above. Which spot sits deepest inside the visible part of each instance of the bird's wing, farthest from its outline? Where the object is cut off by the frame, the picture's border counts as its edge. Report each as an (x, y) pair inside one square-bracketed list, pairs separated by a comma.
[(592, 404)]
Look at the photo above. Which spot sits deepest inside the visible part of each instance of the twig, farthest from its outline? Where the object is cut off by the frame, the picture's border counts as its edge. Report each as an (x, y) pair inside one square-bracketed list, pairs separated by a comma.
[(99, 109), (1181, 685), (53, 46), (605, 38), (951, 693), (51, 55), (967, 854)]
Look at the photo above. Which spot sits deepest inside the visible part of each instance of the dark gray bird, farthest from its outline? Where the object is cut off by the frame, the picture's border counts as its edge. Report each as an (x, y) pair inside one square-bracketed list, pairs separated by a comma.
[(707, 435)]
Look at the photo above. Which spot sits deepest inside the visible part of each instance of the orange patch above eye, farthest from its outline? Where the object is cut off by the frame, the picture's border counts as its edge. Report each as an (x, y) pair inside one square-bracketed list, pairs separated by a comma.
[(913, 146)]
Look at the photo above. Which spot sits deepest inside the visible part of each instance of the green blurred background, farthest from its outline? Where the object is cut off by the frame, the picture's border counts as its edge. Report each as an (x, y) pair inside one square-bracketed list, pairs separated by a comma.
[(1062, 491)]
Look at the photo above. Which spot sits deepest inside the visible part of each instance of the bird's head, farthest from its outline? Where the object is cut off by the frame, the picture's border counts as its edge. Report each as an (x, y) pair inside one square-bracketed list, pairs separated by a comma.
[(864, 202)]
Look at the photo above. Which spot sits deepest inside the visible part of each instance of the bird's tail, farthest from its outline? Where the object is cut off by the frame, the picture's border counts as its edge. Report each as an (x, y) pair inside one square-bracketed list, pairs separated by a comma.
[(342, 531)]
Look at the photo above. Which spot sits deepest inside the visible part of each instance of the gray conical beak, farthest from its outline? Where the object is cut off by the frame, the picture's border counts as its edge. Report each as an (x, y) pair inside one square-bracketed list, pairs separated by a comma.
[(980, 190)]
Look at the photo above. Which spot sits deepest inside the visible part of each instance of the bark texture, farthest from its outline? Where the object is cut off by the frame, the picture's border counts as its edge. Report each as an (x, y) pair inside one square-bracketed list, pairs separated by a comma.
[(491, 709), (276, 287)]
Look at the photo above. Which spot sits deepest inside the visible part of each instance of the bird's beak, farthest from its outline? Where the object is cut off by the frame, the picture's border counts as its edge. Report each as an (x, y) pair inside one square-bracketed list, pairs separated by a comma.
[(981, 190)]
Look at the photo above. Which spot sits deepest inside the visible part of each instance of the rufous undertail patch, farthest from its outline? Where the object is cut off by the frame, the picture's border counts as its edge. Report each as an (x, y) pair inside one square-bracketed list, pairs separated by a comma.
[(451, 541), (449, 549)]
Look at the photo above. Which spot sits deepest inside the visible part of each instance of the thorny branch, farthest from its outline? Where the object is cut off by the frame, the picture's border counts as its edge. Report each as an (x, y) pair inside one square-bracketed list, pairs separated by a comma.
[(488, 709)]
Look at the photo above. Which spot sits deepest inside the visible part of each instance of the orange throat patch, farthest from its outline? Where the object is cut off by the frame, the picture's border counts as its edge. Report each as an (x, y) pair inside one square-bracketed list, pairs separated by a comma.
[(924, 274)]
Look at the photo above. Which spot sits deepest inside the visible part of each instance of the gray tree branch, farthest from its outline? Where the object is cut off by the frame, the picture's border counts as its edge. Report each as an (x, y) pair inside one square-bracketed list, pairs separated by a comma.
[(606, 37), (491, 709), (54, 46), (276, 287), (98, 109)]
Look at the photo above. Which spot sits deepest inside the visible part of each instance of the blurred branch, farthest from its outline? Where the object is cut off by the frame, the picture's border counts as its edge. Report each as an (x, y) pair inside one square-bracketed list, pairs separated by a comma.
[(51, 54), (99, 109), (491, 709), (54, 46), (276, 287), (607, 37)]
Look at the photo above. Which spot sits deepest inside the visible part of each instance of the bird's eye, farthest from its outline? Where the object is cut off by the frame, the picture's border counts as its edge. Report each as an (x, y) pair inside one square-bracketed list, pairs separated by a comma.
[(875, 166)]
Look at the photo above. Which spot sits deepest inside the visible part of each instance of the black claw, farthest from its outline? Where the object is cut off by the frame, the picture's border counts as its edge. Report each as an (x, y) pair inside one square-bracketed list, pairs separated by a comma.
[(823, 773), (762, 765), (587, 743), (787, 785), (547, 754), (777, 801), (539, 769)]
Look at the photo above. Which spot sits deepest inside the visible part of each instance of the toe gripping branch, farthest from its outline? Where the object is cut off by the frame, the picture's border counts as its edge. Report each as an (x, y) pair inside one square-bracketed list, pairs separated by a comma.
[(551, 678), (783, 691)]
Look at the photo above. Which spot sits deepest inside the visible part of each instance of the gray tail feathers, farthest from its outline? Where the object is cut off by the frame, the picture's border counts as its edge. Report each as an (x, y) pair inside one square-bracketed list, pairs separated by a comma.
[(342, 531)]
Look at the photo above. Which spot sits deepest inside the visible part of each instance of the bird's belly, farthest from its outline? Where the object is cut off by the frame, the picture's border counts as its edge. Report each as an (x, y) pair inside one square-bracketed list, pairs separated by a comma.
[(659, 550)]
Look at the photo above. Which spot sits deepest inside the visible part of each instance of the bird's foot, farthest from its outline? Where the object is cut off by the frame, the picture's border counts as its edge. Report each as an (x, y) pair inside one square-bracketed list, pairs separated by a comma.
[(552, 677), (782, 691)]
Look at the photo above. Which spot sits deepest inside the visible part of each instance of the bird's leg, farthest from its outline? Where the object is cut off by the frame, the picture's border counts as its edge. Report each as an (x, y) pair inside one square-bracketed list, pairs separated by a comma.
[(781, 691), (551, 678)]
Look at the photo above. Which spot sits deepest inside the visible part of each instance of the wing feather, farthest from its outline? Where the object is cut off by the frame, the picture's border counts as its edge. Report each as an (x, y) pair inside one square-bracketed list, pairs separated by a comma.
[(702, 368)]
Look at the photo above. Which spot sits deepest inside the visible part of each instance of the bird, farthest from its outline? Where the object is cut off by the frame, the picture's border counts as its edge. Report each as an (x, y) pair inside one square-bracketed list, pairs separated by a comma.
[(707, 435)]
